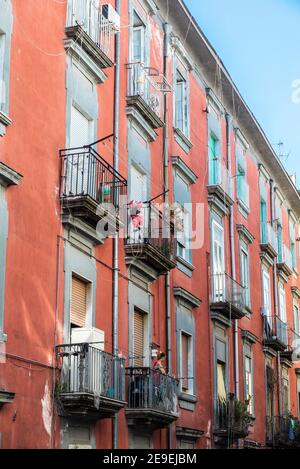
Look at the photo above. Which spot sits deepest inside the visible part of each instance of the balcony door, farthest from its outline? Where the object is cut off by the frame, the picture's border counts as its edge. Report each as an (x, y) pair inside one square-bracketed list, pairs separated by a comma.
[(139, 84), (139, 212), (213, 161), (140, 329), (218, 264), (267, 299), (80, 164)]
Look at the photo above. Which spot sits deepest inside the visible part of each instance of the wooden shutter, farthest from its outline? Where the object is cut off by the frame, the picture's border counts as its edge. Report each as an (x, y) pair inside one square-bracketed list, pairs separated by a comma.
[(185, 361), (138, 338), (78, 302)]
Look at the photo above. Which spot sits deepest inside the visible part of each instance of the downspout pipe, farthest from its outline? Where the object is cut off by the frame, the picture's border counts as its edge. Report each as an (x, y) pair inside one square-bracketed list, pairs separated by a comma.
[(115, 305), (232, 260), (275, 294), (166, 201)]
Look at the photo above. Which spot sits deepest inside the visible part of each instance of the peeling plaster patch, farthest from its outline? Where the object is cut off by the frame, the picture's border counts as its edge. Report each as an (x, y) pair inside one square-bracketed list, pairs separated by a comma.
[(46, 409)]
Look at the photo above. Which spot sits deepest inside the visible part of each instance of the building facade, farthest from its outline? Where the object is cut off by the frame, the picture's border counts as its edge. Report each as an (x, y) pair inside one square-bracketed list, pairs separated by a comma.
[(142, 210)]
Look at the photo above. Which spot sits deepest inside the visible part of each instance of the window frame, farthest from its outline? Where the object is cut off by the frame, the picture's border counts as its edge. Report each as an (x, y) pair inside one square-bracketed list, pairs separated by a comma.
[(190, 363), (245, 273), (183, 127), (248, 355)]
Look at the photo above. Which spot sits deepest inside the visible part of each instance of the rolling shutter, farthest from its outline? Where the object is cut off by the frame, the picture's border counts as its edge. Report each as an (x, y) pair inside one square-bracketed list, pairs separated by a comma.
[(78, 302), (138, 338), (185, 358)]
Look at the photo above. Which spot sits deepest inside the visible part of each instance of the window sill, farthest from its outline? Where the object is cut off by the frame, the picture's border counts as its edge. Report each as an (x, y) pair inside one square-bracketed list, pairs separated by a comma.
[(243, 208), (184, 266), (185, 396), (187, 401), (182, 140)]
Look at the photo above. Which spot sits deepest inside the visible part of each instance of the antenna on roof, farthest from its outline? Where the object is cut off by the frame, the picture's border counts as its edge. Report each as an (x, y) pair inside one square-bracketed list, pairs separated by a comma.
[(280, 154)]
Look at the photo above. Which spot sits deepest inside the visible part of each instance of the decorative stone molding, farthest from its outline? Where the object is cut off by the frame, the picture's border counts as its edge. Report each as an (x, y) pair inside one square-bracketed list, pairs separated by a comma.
[(180, 166), (189, 433), (187, 297), (245, 234), (249, 337), (182, 53), (8, 177)]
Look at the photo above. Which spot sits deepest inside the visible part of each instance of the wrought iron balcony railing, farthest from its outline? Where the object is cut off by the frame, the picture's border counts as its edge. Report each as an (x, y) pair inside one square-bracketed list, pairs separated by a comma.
[(84, 173), (150, 236), (282, 432), (85, 17), (87, 369), (152, 390), (220, 178), (227, 292), (269, 239), (275, 331), (284, 260), (232, 418), (146, 89)]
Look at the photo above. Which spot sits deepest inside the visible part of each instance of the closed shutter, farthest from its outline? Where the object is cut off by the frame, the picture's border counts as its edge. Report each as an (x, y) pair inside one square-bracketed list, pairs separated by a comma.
[(185, 361), (78, 302), (138, 338)]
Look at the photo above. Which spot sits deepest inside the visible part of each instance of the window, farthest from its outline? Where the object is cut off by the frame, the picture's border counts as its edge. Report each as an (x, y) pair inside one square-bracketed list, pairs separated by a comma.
[(296, 320), (181, 104), (182, 198), (282, 303), (218, 262), (248, 378), (2, 82), (279, 240), (285, 392), (221, 382), (79, 437), (263, 221), (218, 265), (79, 302), (139, 335), (138, 39), (213, 161), (245, 273), (293, 244), (183, 238), (186, 369), (270, 375), (242, 186), (185, 444), (266, 293)]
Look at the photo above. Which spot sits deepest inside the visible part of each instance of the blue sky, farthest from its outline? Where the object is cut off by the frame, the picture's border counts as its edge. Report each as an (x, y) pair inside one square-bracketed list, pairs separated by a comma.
[(259, 43)]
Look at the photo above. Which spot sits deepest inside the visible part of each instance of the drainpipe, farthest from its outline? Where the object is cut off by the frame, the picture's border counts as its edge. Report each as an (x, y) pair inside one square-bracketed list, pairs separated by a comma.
[(272, 211), (116, 235), (232, 262), (166, 200)]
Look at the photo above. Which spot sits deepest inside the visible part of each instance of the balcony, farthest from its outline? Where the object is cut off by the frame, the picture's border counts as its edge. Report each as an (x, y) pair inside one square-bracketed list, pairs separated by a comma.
[(220, 183), (91, 385), (232, 420), (227, 297), (90, 187), (279, 433), (150, 237), (146, 90), (275, 334), (87, 27), (284, 261), (268, 242), (152, 398)]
